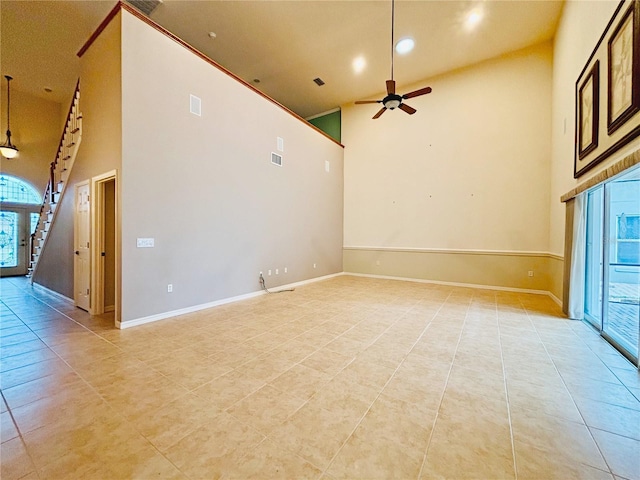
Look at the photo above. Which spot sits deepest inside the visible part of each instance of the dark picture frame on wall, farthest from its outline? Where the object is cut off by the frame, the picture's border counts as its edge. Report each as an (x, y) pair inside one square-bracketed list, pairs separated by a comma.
[(623, 67), (589, 112), (607, 102)]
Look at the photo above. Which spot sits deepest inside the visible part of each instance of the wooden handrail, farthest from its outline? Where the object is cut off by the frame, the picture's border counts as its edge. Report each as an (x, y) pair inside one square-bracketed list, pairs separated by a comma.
[(52, 179), (71, 127)]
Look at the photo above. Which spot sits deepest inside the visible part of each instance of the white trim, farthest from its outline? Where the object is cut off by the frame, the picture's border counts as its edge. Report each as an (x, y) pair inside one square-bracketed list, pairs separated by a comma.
[(452, 284), (470, 251), (203, 306), (555, 299), (183, 311), (53, 292), (318, 115)]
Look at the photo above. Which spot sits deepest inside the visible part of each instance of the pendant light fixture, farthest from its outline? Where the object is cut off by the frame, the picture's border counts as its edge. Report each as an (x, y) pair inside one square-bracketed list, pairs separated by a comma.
[(8, 149)]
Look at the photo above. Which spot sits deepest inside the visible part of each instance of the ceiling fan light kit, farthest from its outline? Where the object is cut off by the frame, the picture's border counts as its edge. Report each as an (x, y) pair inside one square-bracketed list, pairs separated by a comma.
[(393, 100)]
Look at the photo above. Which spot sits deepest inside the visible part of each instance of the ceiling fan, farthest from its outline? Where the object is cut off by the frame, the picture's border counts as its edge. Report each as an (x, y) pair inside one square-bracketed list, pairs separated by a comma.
[(393, 100)]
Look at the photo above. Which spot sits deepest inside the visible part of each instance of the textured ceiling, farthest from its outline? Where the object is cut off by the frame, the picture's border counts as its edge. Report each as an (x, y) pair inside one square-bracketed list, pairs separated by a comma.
[(284, 44)]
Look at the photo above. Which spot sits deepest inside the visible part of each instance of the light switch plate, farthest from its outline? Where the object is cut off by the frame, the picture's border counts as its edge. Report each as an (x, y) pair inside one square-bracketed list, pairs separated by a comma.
[(145, 242)]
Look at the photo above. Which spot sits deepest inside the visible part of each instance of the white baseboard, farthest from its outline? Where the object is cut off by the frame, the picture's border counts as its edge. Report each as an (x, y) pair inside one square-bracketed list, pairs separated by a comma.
[(555, 299), (203, 306), (52, 292), (458, 284)]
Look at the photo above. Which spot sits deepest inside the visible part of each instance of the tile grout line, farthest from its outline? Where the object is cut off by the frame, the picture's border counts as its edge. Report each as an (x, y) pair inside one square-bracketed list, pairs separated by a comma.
[(24, 444), (506, 392), (324, 471), (567, 389), (85, 381), (426, 453)]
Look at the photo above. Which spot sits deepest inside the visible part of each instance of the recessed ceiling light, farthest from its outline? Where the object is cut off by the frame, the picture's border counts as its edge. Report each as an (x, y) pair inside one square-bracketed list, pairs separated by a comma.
[(359, 64), (474, 17), (212, 35), (405, 45)]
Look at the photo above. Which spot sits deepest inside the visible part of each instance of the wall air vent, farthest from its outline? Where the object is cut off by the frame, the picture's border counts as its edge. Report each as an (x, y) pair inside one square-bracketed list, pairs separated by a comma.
[(319, 81), (195, 105), (276, 159), (145, 6)]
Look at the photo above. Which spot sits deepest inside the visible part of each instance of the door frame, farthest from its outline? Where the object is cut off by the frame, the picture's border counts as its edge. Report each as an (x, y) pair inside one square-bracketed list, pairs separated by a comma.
[(601, 324), (97, 239), (24, 211)]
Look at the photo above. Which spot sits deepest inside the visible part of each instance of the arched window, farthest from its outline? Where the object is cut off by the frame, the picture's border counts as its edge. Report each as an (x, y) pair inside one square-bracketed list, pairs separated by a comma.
[(14, 190)]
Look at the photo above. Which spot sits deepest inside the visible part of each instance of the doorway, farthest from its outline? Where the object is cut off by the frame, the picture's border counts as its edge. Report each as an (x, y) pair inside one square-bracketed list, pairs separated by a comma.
[(16, 226), (612, 289), (104, 277), (19, 216), (107, 245)]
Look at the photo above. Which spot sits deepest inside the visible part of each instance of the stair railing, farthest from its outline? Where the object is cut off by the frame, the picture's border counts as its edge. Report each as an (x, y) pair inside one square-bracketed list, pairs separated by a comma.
[(59, 172)]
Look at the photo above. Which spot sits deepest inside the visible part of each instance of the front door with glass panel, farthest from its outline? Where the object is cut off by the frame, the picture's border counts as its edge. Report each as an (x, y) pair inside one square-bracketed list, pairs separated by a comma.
[(15, 234), (19, 205)]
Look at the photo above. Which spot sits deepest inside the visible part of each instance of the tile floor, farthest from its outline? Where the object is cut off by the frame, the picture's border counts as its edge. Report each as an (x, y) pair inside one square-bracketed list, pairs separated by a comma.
[(346, 378)]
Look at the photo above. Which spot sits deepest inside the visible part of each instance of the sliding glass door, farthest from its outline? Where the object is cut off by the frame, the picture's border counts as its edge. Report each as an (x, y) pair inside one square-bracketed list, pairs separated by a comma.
[(595, 257), (621, 319), (612, 288)]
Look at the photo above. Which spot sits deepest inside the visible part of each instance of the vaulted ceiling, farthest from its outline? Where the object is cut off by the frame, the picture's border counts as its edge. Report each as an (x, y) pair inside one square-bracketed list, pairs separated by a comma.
[(284, 44)]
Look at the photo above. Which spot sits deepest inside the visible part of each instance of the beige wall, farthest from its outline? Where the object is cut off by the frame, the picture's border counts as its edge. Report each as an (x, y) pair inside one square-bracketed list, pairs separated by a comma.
[(35, 130), (468, 171), (204, 188), (497, 269), (581, 25), (99, 152)]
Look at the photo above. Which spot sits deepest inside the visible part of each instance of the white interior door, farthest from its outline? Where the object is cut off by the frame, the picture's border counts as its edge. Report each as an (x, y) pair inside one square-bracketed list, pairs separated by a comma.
[(82, 233)]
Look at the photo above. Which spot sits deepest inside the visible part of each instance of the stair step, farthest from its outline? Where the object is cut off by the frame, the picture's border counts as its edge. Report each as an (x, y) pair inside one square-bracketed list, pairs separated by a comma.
[(59, 176)]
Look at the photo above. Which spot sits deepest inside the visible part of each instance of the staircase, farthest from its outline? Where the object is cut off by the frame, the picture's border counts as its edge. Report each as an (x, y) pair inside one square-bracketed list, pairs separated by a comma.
[(59, 173)]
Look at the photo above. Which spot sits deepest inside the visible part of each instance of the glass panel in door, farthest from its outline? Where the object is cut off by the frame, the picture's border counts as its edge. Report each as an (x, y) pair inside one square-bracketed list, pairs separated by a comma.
[(622, 261), (594, 261), (13, 241)]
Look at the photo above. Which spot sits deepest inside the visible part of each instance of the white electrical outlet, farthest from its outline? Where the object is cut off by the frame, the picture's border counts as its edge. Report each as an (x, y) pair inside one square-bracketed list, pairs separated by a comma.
[(530, 273), (285, 269), (169, 288), (314, 265), (276, 271), (269, 272)]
